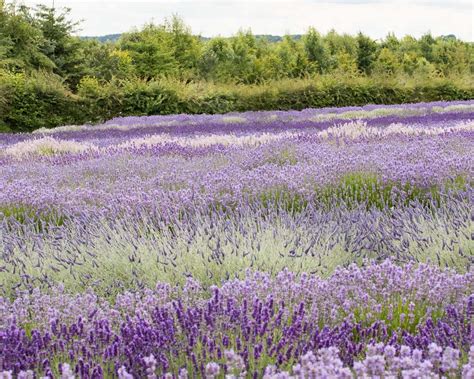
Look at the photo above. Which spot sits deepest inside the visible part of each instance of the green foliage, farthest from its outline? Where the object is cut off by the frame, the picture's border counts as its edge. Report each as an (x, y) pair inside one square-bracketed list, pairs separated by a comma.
[(163, 50), (21, 40), (48, 77), (101, 99), (134, 96), (452, 56), (186, 48), (291, 60), (315, 50), (216, 59), (31, 102), (386, 63), (36, 101), (106, 62), (151, 51), (366, 49), (148, 98), (64, 50), (426, 43)]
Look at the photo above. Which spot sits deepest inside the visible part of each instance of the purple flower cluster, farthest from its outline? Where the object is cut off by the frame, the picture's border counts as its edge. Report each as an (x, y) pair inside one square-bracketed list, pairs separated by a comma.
[(381, 361), (247, 325)]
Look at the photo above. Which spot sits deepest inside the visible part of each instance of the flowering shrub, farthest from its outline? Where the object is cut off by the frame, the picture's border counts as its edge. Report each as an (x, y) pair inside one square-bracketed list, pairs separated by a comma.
[(321, 243), (47, 146), (250, 324)]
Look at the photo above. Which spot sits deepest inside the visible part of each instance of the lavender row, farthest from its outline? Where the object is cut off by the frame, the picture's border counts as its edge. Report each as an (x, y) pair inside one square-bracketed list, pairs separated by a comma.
[(240, 219), (154, 163), (237, 123), (212, 245), (381, 361), (263, 320), (171, 177)]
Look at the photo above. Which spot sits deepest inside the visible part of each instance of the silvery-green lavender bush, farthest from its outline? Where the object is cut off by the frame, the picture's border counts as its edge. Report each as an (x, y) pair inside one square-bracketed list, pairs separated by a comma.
[(214, 246)]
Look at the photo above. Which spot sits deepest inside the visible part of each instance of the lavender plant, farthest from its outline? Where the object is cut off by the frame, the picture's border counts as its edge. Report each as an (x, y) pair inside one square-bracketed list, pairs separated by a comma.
[(218, 245), (264, 320), (333, 242)]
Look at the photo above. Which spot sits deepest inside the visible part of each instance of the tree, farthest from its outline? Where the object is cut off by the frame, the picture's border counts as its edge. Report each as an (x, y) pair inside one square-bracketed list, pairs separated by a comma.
[(6, 44), (391, 42), (426, 46), (410, 62), (424, 69), (341, 49), (409, 45), (315, 50), (366, 49), (451, 56), (387, 63), (244, 47), (292, 58), (104, 61), (346, 65), (60, 46), (186, 47), (20, 40), (216, 56), (151, 50)]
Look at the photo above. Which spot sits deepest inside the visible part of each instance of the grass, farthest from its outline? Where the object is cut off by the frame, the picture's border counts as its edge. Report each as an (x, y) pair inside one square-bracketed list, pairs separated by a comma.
[(42, 219), (361, 188)]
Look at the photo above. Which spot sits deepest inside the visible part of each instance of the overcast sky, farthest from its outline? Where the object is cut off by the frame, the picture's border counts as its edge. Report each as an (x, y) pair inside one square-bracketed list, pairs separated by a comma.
[(220, 17)]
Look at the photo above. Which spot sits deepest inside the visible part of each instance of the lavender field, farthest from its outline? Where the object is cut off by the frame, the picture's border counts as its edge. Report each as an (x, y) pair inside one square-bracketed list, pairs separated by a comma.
[(323, 243)]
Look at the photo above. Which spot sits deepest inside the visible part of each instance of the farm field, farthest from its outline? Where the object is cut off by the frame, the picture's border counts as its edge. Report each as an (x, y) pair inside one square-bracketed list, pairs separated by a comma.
[(334, 242)]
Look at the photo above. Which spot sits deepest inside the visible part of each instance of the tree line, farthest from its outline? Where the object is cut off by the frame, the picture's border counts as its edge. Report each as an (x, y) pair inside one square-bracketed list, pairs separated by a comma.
[(41, 58)]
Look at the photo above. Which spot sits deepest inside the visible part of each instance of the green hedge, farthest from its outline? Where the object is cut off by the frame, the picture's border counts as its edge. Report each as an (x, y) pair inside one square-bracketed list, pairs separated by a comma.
[(32, 102)]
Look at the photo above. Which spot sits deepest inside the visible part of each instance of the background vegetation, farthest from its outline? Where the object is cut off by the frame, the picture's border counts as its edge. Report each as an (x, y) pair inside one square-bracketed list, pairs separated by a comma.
[(50, 77)]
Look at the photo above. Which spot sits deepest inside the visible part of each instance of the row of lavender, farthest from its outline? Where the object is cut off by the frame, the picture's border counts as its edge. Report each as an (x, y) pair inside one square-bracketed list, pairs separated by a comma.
[(112, 255), (245, 221), (414, 321), (422, 116), (129, 165)]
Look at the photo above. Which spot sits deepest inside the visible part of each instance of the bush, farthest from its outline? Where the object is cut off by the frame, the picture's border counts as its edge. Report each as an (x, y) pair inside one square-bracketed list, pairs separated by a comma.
[(149, 98), (325, 91), (41, 100), (33, 102), (101, 101)]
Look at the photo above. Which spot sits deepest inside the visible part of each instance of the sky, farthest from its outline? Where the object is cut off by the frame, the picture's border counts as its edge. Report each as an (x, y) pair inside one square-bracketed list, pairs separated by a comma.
[(220, 17)]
